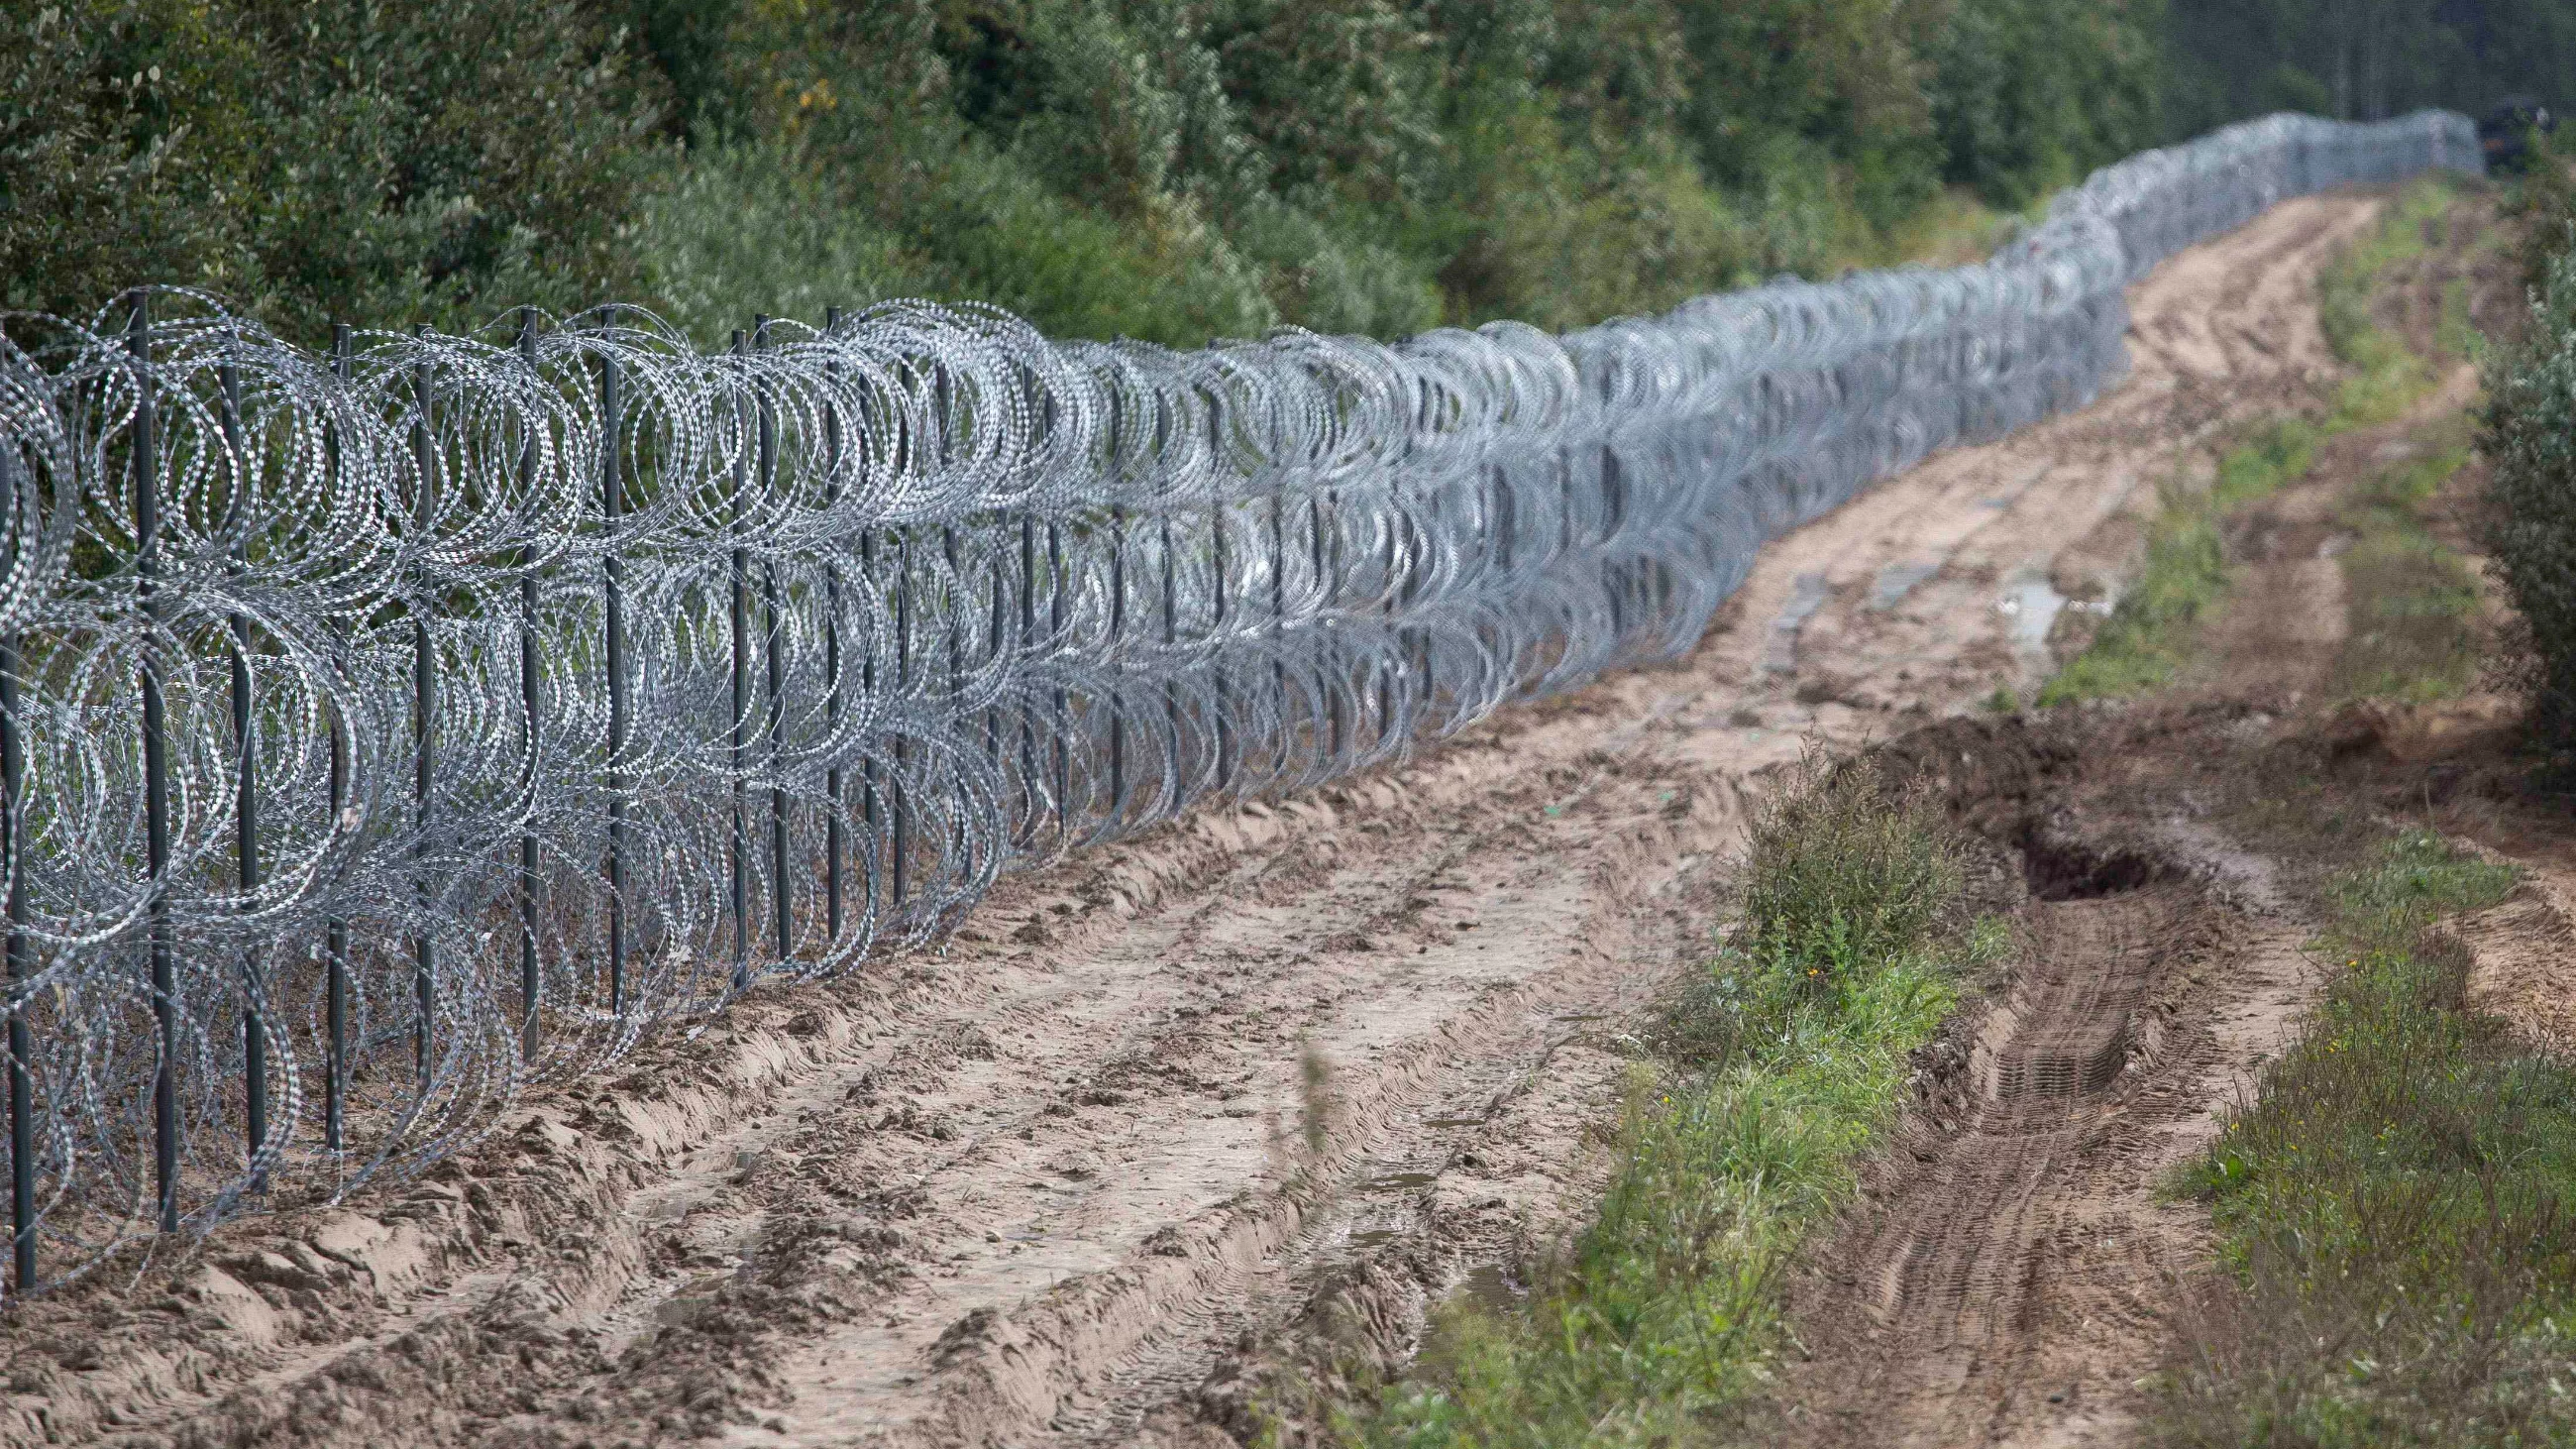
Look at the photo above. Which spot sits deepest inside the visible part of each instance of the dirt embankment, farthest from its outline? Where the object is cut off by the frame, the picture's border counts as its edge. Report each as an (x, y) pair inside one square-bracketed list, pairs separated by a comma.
[(1053, 1183)]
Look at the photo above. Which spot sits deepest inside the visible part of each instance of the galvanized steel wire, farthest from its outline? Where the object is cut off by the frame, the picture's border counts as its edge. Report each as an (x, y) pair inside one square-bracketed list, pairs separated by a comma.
[(392, 729)]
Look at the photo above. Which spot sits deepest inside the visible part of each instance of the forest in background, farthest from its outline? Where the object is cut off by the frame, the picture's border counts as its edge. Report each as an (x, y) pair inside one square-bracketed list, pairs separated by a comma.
[(1172, 170)]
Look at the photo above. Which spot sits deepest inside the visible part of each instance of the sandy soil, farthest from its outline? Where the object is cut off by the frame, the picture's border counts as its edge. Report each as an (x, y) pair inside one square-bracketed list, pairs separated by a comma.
[(1060, 1182)]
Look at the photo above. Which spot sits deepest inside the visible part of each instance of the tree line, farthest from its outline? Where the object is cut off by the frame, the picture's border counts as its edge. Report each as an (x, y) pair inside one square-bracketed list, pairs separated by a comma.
[(1174, 170)]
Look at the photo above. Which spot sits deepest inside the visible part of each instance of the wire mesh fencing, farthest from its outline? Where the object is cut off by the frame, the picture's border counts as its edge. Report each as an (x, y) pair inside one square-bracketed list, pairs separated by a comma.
[(387, 730)]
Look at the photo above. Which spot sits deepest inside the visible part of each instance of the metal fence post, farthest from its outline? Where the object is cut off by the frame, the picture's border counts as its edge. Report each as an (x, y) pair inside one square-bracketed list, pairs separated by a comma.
[(335, 931), (738, 579), (22, 1086), (832, 783), (424, 705), (902, 790), (531, 707), (777, 659), (245, 778), (1117, 663), (1216, 628), (869, 806), (612, 500), (156, 776)]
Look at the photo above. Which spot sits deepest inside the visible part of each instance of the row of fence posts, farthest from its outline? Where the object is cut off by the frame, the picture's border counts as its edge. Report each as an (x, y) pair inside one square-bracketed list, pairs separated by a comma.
[(241, 471)]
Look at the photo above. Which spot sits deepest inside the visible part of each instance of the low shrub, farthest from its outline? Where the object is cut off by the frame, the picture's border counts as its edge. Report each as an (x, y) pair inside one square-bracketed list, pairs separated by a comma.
[(2528, 527)]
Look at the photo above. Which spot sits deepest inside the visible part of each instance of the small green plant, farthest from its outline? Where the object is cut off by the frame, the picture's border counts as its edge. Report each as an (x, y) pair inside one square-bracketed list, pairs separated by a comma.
[(1847, 865)]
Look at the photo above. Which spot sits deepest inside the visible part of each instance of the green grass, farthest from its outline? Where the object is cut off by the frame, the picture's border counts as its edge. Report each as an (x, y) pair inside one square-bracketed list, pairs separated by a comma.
[(2387, 377), (2411, 602), (2394, 1204), (1774, 1070)]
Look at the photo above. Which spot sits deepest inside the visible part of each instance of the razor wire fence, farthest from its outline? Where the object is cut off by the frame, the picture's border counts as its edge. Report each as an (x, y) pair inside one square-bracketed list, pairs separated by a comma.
[(387, 730)]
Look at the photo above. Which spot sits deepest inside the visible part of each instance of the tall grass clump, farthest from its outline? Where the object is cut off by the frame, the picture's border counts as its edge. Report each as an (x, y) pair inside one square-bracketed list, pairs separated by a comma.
[(2394, 1204), (1775, 1068)]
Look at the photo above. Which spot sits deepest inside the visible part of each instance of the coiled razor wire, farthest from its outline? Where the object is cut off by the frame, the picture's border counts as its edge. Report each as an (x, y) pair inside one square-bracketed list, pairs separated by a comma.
[(389, 730)]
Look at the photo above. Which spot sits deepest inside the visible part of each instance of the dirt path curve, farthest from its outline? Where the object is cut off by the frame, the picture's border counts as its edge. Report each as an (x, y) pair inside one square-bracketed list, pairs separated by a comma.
[(1031, 1189)]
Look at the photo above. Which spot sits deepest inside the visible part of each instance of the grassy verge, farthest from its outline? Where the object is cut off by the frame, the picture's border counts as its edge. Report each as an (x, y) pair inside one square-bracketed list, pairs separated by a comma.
[(2386, 377), (2411, 601), (2394, 1204), (2151, 631), (1772, 1072)]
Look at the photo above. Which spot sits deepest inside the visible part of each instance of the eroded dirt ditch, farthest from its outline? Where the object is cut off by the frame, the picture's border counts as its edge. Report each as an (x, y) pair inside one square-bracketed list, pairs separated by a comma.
[(1070, 1180)]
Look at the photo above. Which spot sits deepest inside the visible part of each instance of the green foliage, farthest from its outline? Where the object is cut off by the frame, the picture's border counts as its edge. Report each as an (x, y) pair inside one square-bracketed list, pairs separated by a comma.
[(2030, 95), (2544, 202), (1782, 1065), (320, 158), (2529, 525), (2386, 377), (1846, 867), (2394, 1204), (1166, 169)]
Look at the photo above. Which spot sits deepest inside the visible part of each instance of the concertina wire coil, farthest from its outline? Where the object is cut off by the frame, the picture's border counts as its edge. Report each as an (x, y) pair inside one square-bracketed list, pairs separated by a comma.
[(392, 729)]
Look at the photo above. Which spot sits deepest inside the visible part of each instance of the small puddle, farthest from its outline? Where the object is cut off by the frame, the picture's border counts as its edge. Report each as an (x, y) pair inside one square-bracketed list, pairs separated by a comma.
[(2033, 604), (1490, 1288), (1399, 1182), (1462, 1120), (1897, 580)]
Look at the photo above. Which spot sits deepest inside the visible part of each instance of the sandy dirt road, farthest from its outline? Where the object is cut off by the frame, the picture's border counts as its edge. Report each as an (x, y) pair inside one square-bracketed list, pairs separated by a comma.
[(1043, 1186), (2012, 1270)]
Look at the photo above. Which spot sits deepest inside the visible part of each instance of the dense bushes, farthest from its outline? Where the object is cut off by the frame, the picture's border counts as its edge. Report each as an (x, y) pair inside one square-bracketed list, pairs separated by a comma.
[(1169, 169), (318, 158), (2530, 527)]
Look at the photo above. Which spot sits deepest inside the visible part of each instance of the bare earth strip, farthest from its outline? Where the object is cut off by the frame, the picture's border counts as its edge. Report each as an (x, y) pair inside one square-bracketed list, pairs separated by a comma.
[(1036, 1187)]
